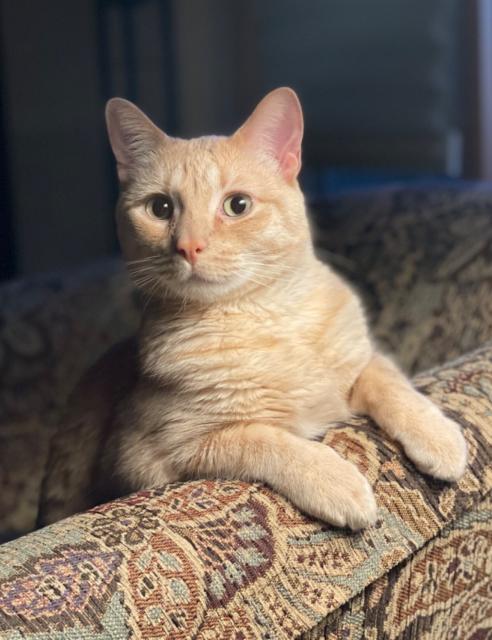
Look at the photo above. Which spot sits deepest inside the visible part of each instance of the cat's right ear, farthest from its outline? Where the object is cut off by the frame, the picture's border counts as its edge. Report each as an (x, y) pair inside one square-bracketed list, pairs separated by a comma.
[(133, 136)]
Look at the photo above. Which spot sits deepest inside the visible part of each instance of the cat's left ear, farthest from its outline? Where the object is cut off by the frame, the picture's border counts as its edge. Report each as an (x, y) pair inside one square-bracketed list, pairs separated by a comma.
[(275, 128)]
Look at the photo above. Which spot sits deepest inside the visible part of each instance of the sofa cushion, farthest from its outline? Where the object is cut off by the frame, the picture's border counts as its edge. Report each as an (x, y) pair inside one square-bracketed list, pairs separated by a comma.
[(52, 328), (422, 258)]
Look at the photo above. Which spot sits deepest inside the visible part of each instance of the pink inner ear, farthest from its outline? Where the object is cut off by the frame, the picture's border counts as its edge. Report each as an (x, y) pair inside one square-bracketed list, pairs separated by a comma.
[(291, 165), (275, 128)]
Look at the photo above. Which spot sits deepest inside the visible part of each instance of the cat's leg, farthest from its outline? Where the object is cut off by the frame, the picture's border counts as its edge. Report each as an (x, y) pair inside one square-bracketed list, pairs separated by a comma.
[(433, 442), (312, 475)]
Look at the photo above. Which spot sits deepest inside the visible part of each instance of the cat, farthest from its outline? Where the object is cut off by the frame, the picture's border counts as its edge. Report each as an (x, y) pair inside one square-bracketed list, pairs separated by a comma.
[(249, 346)]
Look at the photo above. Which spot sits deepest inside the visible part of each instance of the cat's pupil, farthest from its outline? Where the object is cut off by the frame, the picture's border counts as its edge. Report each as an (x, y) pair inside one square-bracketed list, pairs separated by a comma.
[(162, 207), (238, 204)]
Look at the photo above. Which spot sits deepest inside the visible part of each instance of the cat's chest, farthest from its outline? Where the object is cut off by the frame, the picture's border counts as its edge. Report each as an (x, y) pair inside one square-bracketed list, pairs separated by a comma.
[(295, 369), (269, 350)]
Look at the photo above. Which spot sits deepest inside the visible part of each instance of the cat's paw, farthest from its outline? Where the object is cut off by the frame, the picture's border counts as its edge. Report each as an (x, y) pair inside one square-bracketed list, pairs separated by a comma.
[(347, 501), (358, 509), (439, 449)]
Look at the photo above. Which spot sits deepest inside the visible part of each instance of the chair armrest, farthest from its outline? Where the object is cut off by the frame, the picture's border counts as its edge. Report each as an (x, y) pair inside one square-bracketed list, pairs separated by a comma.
[(217, 559)]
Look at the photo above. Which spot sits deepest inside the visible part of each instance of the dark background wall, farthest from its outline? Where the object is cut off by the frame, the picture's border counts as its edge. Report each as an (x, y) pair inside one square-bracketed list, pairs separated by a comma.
[(387, 86), (56, 144)]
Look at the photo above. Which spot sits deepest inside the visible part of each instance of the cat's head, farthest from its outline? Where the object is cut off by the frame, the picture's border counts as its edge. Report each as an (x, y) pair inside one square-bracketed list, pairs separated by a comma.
[(211, 217)]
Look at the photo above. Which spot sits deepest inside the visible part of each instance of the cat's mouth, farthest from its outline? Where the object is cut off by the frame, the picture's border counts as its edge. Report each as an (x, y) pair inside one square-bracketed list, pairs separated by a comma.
[(198, 281), (195, 275), (210, 286)]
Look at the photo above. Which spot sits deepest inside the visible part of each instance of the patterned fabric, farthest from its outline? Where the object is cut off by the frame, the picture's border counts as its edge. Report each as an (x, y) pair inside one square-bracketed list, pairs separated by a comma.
[(443, 591), (211, 559), (51, 329), (423, 261)]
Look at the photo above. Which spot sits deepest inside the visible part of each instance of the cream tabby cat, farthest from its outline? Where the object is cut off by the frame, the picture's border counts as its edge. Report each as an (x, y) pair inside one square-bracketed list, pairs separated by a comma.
[(249, 346)]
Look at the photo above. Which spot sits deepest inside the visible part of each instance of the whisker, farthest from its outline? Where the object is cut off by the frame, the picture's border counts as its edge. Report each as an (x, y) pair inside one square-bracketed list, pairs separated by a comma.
[(146, 260), (142, 278), (271, 274), (137, 273), (153, 290), (271, 267), (156, 259)]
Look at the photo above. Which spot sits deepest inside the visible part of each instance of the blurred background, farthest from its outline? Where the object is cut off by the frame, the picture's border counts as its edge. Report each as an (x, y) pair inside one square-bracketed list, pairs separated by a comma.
[(393, 91)]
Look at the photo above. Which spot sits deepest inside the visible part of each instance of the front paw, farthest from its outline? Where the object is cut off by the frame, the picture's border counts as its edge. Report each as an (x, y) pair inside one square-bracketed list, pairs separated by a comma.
[(358, 508), (344, 501), (438, 449)]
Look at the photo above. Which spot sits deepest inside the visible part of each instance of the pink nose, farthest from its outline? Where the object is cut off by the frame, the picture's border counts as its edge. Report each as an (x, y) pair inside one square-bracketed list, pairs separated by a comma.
[(190, 249)]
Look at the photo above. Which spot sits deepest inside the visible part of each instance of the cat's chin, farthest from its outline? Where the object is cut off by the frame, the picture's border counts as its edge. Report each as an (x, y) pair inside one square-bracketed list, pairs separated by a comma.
[(196, 278), (203, 289)]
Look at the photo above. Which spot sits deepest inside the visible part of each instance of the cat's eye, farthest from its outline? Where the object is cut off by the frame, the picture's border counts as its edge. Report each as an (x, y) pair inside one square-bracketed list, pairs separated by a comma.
[(161, 206), (237, 204)]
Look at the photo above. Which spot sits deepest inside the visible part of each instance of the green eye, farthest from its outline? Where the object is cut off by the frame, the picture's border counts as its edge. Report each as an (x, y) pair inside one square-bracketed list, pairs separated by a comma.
[(161, 206), (237, 205)]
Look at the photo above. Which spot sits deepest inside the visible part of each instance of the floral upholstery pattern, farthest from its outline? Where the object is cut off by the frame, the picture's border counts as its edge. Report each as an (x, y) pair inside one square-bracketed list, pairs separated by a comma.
[(216, 559)]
